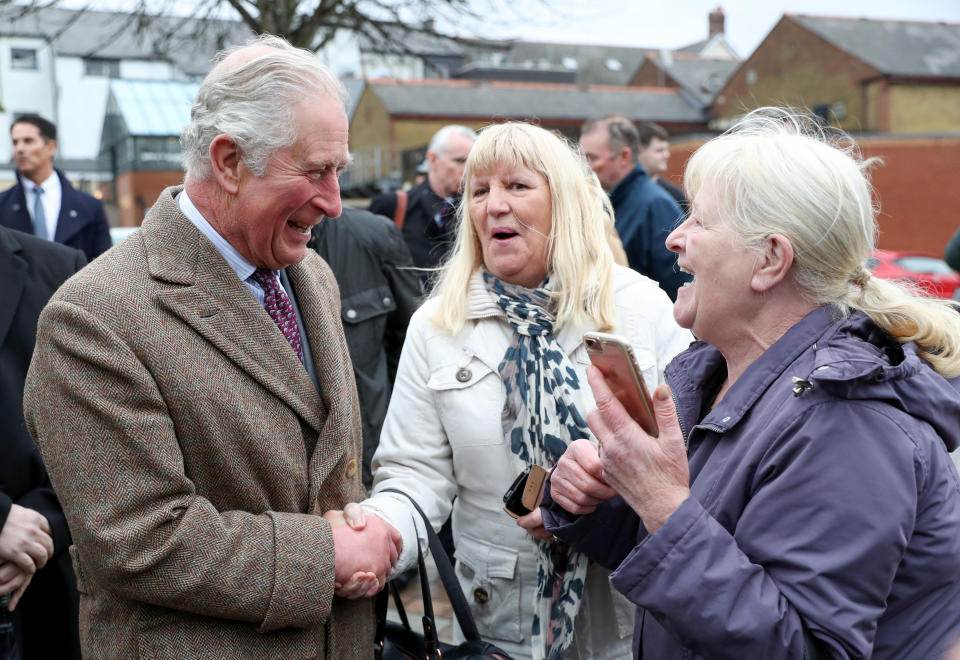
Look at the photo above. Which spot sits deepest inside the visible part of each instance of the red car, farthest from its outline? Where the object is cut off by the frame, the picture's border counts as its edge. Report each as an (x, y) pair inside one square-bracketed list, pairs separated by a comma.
[(928, 271)]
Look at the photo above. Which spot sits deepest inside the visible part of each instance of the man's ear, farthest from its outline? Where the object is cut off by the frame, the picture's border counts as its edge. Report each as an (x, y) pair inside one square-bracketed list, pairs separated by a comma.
[(431, 158), (225, 163), (773, 264)]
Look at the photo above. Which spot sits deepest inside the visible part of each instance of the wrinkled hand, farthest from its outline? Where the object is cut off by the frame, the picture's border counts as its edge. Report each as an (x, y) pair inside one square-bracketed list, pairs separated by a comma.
[(366, 548), (577, 482), (26, 539), (13, 580), (533, 523), (651, 474)]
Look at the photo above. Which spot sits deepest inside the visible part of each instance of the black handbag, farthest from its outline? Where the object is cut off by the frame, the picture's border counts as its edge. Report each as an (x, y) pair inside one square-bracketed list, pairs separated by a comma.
[(398, 641)]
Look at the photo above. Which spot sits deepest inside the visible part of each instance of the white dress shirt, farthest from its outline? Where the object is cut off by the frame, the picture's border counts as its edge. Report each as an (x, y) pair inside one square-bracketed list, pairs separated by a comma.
[(52, 195)]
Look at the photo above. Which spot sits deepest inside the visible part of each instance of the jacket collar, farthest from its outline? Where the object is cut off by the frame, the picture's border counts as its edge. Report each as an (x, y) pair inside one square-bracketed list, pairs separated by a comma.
[(692, 373), (206, 294), (622, 189)]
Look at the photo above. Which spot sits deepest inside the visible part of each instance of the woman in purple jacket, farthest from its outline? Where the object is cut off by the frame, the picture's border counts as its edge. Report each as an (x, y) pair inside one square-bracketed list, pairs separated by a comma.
[(799, 500)]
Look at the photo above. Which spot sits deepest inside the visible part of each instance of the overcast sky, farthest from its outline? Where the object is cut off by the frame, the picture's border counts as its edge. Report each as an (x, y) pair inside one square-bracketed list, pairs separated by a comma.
[(641, 23), (659, 24)]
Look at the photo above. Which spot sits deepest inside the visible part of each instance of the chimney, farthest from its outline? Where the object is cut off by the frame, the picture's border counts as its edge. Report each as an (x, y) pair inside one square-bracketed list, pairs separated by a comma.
[(716, 21)]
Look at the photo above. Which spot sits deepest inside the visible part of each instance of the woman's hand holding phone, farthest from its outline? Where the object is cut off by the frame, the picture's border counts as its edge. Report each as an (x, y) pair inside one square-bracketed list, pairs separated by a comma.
[(577, 483), (650, 473)]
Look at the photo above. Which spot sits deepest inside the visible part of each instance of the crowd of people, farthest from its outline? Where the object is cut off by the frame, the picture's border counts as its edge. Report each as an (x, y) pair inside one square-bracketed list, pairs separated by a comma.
[(218, 424)]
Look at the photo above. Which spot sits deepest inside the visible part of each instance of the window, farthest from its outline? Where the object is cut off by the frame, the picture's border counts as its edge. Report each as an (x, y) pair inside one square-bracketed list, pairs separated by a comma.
[(101, 66), (926, 265), (23, 58)]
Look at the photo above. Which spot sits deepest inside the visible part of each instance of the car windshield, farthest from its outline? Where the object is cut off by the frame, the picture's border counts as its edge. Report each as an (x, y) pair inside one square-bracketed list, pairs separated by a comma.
[(929, 265)]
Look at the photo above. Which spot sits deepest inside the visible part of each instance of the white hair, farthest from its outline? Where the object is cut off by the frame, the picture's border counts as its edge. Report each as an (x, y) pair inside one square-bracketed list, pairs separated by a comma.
[(778, 171), (254, 103), (441, 139)]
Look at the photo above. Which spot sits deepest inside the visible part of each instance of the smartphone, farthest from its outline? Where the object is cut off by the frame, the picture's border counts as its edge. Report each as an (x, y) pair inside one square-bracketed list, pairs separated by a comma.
[(613, 356), (525, 492)]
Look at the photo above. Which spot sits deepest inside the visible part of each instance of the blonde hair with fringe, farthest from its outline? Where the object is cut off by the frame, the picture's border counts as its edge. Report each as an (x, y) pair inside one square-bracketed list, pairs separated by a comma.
[(777, 171), (579, 259)]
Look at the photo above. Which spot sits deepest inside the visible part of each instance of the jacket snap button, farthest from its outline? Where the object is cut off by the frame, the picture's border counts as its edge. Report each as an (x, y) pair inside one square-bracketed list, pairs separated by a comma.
[(351, 469), (386, 301), (463, 375), (480, 595), (351, 313)]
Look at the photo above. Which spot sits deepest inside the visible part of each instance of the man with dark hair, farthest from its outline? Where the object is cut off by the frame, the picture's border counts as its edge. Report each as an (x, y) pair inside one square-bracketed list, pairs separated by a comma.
[(43, 202), (645, 214), (654, 155), (426, 215), (34, 563)]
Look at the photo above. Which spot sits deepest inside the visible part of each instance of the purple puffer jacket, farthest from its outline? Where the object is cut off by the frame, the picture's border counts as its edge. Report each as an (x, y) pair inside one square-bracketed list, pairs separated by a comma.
[(827, 502)]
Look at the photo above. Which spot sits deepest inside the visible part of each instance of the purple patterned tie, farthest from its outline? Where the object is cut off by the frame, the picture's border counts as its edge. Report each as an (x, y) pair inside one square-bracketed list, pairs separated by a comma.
[(279, 307)]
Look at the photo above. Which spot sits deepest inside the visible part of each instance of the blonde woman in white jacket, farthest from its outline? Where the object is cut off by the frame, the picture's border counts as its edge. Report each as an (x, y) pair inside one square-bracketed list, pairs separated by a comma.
[(492, 378)]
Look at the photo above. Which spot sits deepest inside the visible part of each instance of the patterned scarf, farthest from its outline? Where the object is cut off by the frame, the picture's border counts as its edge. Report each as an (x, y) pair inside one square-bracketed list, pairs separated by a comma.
[(541, 418)]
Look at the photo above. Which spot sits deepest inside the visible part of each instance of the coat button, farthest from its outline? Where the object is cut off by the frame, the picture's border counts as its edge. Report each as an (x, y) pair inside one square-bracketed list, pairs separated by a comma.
[(351, 313), (480, 595), (351, 469), (386, 300), (464, 375)]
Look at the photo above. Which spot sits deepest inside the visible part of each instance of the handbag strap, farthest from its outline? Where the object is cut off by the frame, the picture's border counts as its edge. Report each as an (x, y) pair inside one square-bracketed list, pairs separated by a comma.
[(447, 576), (400, 212), (430, 640)]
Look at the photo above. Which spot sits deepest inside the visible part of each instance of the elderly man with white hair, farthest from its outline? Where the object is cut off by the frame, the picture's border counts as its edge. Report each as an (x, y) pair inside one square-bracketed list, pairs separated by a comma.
[(427, 214), (193, 398)]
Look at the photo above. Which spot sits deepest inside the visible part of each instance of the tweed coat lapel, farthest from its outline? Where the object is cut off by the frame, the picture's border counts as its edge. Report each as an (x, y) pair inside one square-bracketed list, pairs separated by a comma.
[(200, 288), (13, 274)]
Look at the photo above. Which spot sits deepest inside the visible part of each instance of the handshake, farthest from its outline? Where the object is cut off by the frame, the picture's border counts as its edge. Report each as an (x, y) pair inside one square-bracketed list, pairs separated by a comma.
[(366, 549)]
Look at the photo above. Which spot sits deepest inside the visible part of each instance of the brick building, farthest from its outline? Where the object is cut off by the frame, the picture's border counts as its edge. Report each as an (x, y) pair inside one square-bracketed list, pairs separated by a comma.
[(916, 187), (863, 75)]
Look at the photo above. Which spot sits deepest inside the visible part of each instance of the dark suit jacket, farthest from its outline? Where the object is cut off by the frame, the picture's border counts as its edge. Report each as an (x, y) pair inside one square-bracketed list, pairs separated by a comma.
[(192, 453), (31, 269), (429, 243), (82, 223), (379, 293)]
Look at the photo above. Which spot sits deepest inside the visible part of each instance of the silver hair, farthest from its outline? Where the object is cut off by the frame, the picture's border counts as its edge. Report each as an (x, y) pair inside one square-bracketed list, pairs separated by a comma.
[(440, 140), (254, 103), (778, 171)]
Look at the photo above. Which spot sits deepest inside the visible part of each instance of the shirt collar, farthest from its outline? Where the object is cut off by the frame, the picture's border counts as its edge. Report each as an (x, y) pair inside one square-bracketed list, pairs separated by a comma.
[(48, 185), (243, 268)]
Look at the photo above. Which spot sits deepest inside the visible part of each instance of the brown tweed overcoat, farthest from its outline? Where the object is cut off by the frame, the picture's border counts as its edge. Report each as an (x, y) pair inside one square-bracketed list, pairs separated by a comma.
[(193, 454)]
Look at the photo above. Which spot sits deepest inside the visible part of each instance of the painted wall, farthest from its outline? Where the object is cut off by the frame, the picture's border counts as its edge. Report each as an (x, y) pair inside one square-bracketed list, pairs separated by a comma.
[(918, 187), (924, 108), (134, 192)]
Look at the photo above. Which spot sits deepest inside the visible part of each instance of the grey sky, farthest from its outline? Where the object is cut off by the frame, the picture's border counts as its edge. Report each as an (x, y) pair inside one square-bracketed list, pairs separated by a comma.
[(645, 23), (640, 23)]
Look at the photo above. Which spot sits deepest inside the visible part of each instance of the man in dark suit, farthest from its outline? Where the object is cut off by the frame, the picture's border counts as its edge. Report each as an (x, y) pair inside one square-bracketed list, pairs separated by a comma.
[(43, 588), (644, 214), (43, 202)]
